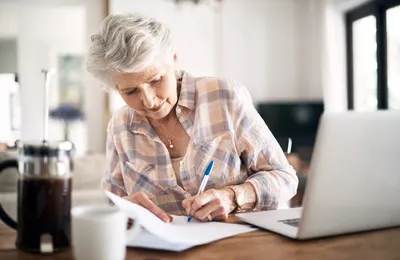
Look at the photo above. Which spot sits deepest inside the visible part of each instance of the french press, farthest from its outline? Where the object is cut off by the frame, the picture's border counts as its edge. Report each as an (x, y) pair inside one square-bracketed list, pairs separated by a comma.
[(44, 193)]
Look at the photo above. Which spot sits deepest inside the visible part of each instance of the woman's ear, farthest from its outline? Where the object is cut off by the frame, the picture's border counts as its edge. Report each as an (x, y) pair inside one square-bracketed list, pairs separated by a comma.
[(176, 63)]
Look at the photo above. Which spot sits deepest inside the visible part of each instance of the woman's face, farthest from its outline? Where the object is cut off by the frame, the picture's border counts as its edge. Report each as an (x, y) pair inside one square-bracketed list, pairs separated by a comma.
[(151, 93)]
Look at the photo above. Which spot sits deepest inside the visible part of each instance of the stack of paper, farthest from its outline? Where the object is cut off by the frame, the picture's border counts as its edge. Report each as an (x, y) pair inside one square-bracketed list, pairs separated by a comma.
[(175, 236)]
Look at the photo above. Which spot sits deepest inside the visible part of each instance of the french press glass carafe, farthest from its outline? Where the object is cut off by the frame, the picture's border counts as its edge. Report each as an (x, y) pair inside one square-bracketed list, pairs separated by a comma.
[(44, 196)]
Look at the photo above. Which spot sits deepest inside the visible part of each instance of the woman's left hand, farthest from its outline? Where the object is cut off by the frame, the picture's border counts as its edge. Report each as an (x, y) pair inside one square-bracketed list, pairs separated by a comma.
[(215, 203)]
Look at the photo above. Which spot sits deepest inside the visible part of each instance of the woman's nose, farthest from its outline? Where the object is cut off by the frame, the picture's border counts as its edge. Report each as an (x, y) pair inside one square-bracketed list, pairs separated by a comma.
[(148, 97)]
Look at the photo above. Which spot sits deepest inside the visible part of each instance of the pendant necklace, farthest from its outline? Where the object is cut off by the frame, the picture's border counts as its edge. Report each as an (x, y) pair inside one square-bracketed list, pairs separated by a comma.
[(166, 136), (171, 145)]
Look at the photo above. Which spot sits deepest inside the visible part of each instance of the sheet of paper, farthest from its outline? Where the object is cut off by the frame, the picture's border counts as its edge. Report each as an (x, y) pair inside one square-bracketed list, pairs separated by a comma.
[(150, 241), (182, 220), (179, 232)]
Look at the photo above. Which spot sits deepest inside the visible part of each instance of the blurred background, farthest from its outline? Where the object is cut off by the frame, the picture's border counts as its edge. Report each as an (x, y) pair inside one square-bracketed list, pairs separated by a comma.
[(298, 58)]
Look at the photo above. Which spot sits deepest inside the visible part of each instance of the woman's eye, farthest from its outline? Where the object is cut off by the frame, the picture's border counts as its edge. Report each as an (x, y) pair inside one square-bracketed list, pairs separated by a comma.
[(155, 81), (133, 91)]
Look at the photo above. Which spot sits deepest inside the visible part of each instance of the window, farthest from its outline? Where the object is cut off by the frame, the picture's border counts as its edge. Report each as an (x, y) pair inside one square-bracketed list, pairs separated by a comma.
[(373, 56)]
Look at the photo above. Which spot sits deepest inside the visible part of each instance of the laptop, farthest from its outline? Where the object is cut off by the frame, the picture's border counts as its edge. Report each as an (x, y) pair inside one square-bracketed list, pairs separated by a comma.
[(353, 183)]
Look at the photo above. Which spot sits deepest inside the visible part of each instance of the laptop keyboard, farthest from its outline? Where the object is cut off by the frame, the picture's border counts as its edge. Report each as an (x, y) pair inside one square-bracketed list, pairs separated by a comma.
[(294, 222)]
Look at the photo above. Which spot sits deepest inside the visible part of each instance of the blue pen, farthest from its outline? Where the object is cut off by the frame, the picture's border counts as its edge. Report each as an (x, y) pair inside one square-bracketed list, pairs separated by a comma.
[(203, 183)]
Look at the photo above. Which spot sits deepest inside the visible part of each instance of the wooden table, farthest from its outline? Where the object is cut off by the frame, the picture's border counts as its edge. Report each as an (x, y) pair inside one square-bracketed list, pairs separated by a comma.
[(376, 245)]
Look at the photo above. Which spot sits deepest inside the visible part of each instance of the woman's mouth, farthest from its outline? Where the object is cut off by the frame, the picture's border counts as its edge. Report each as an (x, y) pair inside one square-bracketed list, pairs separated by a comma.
[(158, 107)]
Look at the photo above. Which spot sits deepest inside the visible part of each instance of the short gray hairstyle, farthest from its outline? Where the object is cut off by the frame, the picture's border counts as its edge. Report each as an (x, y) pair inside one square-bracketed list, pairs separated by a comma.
[(128, 43)]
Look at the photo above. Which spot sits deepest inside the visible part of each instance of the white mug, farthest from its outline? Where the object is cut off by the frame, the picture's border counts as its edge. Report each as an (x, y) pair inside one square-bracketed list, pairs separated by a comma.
[(100, 232)]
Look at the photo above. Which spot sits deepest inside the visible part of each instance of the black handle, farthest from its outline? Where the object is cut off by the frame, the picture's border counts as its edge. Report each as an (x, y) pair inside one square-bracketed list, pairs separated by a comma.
[(8, 163)]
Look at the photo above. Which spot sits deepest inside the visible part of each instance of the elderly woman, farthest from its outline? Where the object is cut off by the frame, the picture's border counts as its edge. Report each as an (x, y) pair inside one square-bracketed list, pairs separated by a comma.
[(174, 124)]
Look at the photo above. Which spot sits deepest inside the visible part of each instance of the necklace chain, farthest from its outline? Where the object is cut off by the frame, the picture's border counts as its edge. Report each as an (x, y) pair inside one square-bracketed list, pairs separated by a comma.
[(167, 136)]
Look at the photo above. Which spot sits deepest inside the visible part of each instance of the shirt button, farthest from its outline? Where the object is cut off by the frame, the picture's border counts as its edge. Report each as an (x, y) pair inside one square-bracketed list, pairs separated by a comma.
[(178, 110)]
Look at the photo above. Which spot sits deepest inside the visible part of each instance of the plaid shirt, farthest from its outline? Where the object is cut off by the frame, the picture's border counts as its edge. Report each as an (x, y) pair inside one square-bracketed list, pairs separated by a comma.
[(223, 126)]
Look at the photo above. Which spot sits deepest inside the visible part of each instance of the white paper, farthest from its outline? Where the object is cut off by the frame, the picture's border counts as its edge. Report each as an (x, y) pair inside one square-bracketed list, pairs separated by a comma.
[(182, 220), (177, 235)]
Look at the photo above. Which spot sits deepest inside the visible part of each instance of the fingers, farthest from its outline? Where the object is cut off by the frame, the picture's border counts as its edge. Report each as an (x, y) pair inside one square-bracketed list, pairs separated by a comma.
[(208, 203), (143, 200), (214, 208), (219, 215), (148, 204), (203, 199), (187, 205)]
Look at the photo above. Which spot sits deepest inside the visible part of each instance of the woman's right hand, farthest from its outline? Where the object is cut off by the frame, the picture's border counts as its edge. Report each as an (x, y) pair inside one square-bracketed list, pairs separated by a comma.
[(143, 200)]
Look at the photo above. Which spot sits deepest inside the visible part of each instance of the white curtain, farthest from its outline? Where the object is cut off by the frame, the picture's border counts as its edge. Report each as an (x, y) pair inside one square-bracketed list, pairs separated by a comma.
[(333, 58)]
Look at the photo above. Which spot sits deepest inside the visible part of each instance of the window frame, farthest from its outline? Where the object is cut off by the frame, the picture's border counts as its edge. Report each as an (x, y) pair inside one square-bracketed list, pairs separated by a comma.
[(378, 9)]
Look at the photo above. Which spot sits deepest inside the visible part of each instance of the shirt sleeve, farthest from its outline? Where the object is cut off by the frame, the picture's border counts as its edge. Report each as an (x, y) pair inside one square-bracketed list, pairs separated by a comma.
[(273, 178), (113, 180)]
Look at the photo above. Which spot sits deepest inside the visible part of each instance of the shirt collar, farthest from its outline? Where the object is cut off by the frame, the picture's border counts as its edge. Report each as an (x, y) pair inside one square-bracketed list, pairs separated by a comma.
[(187, 95), (140, 124)]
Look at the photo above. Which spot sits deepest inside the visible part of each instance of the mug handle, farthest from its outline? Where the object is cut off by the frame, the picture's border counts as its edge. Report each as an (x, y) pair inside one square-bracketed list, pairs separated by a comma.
[(9, 163)]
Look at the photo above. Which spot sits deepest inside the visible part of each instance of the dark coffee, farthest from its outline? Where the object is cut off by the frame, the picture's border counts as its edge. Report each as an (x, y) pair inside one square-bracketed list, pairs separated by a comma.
[(44, 207)]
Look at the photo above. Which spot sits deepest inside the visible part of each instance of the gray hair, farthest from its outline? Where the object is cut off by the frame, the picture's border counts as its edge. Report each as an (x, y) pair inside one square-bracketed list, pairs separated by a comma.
[(127, 43)]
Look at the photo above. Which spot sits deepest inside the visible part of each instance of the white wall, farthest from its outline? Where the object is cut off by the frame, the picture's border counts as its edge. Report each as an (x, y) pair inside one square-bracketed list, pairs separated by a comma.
[(274, 47), (260, 47), (310, 37), (334, 58)]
